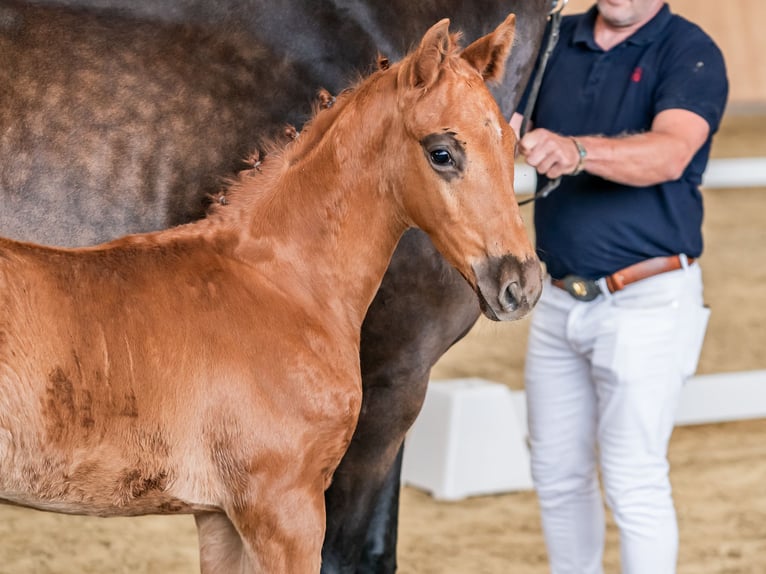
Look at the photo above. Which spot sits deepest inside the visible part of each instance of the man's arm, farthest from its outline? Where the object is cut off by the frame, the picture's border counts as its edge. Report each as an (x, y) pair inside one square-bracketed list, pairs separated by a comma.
[(648, 158)]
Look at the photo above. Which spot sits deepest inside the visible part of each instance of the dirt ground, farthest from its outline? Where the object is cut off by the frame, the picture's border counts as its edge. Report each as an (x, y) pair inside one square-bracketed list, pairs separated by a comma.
[(718, 471)]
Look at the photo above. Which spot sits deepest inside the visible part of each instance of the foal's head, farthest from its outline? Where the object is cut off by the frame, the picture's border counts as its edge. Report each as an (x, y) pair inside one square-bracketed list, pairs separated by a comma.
[(466, 156)]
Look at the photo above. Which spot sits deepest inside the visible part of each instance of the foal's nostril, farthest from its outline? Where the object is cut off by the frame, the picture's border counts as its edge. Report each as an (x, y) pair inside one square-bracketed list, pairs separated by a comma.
[(510, 296)]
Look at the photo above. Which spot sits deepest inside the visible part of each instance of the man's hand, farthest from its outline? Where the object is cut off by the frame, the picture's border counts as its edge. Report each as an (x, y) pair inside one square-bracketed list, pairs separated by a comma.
[(549, 153)]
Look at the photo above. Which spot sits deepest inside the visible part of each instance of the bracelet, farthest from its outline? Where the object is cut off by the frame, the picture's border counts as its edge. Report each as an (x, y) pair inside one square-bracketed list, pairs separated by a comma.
[(582, 153)]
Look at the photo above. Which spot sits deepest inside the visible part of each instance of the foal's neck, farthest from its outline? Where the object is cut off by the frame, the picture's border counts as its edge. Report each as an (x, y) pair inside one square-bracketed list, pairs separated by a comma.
[(329, 224)]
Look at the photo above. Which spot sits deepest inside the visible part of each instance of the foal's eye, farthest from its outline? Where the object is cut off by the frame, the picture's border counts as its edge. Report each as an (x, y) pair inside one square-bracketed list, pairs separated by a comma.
[(445, 154), (442, 157)]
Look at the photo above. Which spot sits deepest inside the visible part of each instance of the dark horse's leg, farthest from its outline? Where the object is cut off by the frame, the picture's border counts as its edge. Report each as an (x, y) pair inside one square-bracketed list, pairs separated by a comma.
[(422, 308), (380, 545)]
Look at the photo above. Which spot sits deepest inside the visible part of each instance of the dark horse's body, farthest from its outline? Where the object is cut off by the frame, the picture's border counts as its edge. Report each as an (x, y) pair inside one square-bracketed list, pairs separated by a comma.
[(116, 120)]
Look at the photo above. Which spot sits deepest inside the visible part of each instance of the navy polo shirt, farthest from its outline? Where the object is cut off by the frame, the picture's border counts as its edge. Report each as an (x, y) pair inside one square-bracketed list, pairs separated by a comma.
[(593, 227)]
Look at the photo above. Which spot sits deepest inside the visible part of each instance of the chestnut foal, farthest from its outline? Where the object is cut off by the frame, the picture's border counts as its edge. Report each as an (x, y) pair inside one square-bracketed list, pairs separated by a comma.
[(213, 368)]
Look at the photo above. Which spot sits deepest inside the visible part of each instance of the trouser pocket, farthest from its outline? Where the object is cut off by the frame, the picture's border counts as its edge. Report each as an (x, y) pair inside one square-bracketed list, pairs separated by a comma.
[(692, 326)]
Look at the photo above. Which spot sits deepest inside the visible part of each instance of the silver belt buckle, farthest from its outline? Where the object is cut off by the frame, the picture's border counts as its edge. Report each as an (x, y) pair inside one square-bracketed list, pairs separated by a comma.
[(581, 289)]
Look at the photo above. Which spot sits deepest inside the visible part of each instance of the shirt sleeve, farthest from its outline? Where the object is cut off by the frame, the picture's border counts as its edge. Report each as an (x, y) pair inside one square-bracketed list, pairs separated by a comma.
[(693, 78)]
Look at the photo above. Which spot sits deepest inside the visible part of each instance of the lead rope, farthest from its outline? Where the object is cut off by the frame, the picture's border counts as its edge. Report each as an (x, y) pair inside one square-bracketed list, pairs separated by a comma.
[(555, 16)]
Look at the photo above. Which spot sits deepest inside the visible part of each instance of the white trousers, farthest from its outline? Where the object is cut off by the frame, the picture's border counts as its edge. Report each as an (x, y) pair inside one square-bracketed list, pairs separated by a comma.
[(603, 379)]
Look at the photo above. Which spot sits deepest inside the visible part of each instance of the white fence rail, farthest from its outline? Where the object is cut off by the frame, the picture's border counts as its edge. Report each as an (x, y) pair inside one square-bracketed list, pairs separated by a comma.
[(721, 173)]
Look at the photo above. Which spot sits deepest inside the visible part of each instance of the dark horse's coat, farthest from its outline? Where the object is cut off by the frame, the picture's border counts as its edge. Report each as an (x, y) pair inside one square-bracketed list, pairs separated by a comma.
[(139, 112)]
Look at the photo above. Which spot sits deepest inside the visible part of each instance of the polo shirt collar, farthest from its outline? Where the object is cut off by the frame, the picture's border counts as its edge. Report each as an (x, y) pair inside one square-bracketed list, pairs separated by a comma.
[(583, 33)]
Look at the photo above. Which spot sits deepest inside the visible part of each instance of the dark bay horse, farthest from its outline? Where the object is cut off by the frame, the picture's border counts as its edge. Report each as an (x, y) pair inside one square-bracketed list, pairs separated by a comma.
[(139, 110), (214, 368)]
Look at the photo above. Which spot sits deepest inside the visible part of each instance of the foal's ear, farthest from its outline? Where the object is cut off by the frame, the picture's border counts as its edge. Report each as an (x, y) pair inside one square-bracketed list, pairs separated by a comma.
[(422, 69), (489, 53)]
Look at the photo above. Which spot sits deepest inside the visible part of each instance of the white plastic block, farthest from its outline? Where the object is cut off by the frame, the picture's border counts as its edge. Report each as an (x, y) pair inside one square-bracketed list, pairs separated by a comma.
[(468, 440), (723, 397)]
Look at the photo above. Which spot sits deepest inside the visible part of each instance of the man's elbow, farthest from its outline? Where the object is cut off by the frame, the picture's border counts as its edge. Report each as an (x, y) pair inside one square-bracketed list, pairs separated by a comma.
[(673, 170), (662, 172), (675, 164)]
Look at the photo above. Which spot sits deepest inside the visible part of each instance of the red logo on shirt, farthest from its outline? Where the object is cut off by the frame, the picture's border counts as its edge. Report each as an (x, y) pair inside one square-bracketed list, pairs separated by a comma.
[(636, 77)]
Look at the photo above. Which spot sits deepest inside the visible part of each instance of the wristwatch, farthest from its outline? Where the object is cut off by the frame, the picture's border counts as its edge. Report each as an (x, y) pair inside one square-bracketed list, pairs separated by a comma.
[(582, 153)]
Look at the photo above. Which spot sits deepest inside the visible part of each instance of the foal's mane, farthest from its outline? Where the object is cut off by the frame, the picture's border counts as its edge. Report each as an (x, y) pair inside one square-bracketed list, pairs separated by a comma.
[(254, 181), (250, 184)]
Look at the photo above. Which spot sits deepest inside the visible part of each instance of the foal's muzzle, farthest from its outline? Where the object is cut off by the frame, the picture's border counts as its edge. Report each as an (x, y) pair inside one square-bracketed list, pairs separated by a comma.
[(507, 287)]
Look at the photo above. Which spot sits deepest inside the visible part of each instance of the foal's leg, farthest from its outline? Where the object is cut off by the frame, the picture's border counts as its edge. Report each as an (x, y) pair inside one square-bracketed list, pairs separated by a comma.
[(421, 309), (281, 534), (221, 548)]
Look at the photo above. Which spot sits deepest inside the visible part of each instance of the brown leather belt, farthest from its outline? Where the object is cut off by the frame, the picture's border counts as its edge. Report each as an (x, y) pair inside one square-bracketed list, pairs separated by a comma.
[(589, 289)]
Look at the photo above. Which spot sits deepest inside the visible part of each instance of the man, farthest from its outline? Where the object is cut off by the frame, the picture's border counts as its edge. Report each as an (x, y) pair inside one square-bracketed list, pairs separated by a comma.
[(627, 107)]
